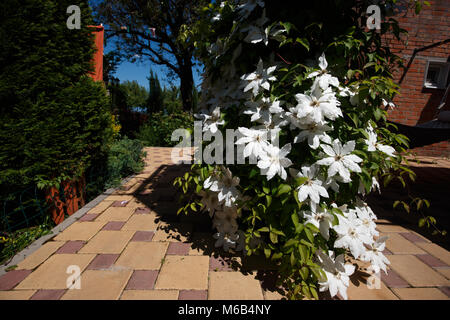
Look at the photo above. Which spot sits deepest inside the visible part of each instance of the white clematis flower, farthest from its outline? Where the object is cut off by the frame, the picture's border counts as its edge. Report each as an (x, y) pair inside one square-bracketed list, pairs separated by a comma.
[(314, 133), (275, 161), (340, 160), (375, 255), (321, 219), (209, 201), (312, 188), (318, 106), (211, 120), (259, 79), (263, 109), (373, 145), (351, 235), (323, 78), (337, 273), (254, 140)]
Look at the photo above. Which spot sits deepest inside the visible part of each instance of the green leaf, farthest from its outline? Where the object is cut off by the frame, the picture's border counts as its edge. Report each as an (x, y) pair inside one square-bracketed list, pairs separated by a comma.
[(282, 189), (273, 237)]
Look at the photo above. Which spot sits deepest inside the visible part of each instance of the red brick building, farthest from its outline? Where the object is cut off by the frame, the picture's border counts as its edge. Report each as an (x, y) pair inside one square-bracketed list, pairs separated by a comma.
[(423, 84)]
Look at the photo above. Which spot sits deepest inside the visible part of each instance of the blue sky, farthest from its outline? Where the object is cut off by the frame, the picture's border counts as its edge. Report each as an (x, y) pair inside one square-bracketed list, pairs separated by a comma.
[(139, 71)]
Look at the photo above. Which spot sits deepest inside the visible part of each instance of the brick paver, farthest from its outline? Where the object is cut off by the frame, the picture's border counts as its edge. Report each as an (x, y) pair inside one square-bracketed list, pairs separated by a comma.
[(132, 245)]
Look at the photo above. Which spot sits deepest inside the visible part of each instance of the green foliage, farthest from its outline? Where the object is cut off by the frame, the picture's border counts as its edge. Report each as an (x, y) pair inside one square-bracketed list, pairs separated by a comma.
[(55, 120), (156, 95), (136, 95), (172, 99), (11, 244), (158, 130), (125, 157)]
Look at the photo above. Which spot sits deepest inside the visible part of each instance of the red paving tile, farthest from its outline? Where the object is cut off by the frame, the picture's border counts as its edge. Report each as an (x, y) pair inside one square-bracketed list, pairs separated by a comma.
[(193, 295), (119, 203), (12, 278), (431, 260), (48, 294), (393, 280), (143, 236), (412, 237), (114, 225), (142, 211), (88, 217), (180, 249), (445, 290), (219, 264), (103, 261), (142, 280), (71, 247)]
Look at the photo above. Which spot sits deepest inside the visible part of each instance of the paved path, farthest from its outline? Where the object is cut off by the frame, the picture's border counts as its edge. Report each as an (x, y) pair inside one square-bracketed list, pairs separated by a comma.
[(132, 245)]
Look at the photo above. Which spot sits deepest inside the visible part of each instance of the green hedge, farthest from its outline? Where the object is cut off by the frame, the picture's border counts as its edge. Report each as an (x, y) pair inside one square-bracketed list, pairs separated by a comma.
[(157, 131)]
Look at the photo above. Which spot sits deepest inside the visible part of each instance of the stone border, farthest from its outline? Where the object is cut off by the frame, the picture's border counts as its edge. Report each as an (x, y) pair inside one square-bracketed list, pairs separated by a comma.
[(60, 227)]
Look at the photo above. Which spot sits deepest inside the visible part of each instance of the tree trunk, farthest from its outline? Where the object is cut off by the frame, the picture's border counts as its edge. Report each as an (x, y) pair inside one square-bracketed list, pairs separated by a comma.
[(186, 85)]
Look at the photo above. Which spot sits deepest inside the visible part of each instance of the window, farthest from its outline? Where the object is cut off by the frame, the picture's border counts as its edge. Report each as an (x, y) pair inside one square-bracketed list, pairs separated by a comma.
[(436, 74)]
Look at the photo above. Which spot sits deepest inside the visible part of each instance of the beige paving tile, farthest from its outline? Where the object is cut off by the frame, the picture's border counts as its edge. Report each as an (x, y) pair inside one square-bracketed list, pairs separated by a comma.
[(83, 230), (102, 206), (361, 291), (40, 255), (397, 244), (420, 294), (436, 251), (184, 272), (108, 242), (116, 214), (119, 198), (417, 273), (382, 227), (202, 244), (16, 294), (141, 222), (444, 271), (173, 232), (100, 285), (273, 295), (52, 274), (143, 255), (149, 295), (233, 286)]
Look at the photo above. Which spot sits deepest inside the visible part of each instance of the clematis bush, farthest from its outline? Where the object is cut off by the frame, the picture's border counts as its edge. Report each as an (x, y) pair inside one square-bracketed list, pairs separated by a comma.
[(305, 90)]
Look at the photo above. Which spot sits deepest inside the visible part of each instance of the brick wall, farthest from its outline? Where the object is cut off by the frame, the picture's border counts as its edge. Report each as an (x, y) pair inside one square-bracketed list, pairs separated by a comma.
[(417, 104)]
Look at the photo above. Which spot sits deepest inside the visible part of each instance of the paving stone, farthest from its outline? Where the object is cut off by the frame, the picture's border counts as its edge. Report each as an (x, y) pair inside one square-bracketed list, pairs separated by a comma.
[(430, 260), (393, 280), (88, 217), (108, 242), (220, 264), (114, 226), (116, 214), (416, 272), (102, 206), (436, 251), (361, 291), (16, 295), (273, 295), (445, 290), (202, 243), (80, 231), (113, 198), (444, 271), (10, 279), (52, 274), (413, 237), (184, 272), (399, 245), (120, 203), (48, 294), (193, 295), (143, 255), (420, 294), (100, 285), (149, 295), (143, 236), (102, 261), (71, 247), (177, 248), (40, 255), (142, 210), (142, 280), (382, 227), (141, 222), (173, 232), (234, 286)]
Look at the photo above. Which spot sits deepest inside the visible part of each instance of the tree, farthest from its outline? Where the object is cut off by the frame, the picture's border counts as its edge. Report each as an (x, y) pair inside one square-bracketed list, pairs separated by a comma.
[(54, 119), (170, 46), (136, 95), (155, 98)]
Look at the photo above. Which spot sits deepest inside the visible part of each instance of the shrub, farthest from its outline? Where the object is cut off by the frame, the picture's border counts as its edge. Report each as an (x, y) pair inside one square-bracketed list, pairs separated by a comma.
[(159, 127), (304, 90)]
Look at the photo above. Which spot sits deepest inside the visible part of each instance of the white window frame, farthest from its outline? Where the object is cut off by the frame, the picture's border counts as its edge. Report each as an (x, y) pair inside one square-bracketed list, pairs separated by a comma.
[(443, 74)]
